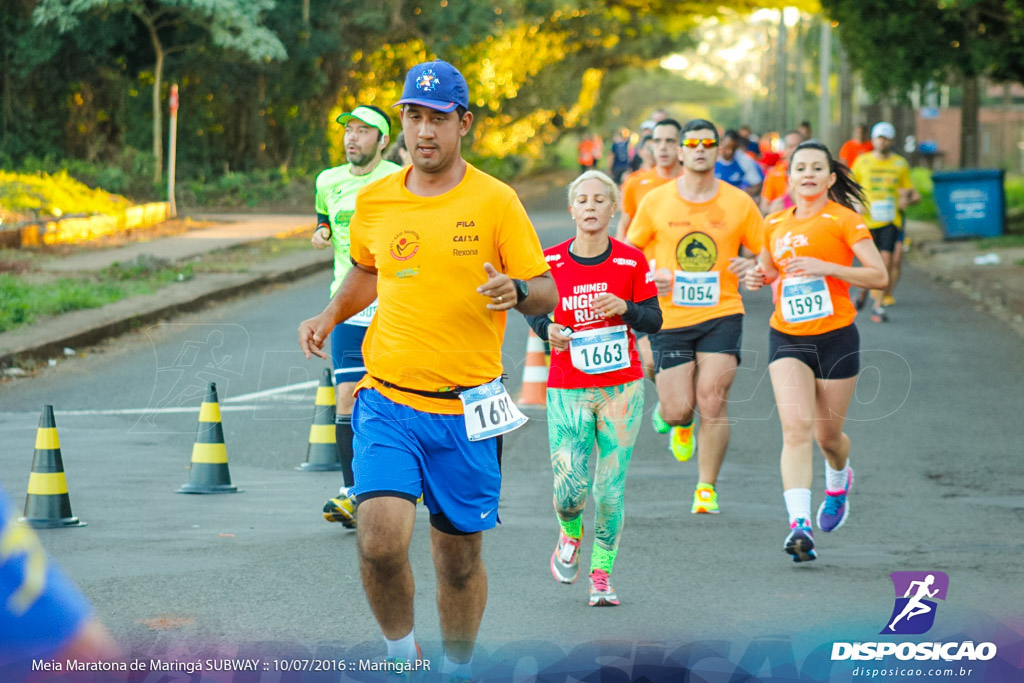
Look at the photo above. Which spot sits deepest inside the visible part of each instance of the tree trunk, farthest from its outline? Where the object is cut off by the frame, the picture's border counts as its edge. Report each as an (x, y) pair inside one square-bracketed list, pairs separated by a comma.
[(826, 127), (8, 101), (158, 77), (798, 73), (969, 142), (782, 123)]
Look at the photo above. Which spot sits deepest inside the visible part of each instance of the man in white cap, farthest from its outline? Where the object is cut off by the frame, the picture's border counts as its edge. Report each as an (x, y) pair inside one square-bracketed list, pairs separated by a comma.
[(885, 177), (447, 249), (367, 131)]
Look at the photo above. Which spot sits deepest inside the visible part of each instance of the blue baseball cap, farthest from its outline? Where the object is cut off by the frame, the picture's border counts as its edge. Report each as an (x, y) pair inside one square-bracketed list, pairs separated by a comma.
[(437, 85)]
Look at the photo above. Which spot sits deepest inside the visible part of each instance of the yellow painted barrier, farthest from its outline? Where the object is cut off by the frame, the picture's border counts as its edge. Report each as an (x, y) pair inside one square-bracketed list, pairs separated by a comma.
[(84, 229)]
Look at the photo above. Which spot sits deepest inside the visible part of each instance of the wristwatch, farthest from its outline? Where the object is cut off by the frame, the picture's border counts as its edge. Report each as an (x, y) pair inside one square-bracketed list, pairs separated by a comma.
[(522, 291)]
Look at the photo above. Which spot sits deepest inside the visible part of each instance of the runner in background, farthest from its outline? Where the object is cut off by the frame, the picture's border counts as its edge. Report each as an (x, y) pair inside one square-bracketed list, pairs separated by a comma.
[(646, 130), (735, 166), (397, 153), (885, 177), (367, 131), (667, 167), (595, 395), (855, 146), (588, 151), (750, 142), (775, 192), (619, 163), (694, 229), (643, 158), (814, 347)]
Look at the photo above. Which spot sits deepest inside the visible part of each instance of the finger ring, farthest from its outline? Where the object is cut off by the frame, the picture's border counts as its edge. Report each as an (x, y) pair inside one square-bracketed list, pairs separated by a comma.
[(501, 299)]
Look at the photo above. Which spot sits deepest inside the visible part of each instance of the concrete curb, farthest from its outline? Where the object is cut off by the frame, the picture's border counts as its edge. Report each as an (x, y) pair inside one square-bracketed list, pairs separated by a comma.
[(47, 339)]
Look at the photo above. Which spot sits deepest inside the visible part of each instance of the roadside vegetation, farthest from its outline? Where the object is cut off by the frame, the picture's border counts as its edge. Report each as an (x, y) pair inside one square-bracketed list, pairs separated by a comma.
[(27, 293), (27, 297)]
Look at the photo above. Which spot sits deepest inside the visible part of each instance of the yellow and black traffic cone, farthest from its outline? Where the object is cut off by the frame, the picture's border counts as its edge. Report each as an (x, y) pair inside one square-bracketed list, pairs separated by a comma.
[(208, 472), (48, 505), (322, 452)]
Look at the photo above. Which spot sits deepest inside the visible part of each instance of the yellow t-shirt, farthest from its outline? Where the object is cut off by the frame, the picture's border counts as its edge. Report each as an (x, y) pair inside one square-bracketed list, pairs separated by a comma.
[(882, 179), (637, 186), (433, 330), (697, 237)]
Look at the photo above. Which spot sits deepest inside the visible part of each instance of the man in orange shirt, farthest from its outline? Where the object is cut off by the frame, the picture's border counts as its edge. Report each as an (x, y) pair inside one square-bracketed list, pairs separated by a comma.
[(694, 228), (665, 141), (857, 145), (775, 192), (447, 250)]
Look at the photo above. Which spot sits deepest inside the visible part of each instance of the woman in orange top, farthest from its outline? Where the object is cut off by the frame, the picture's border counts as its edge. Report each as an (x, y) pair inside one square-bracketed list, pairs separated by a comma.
[(814, 346)]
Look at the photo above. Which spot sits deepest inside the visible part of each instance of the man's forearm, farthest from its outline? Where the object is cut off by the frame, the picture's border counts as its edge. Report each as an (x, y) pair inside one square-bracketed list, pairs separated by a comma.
[(357, 291)]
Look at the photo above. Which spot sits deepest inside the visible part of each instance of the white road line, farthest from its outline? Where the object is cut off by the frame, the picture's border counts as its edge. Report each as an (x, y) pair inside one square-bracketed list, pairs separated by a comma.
[(167, 411), (302, 386)]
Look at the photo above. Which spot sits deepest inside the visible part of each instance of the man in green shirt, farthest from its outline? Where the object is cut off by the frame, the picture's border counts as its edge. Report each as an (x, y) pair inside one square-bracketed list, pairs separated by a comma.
[(367, 132)]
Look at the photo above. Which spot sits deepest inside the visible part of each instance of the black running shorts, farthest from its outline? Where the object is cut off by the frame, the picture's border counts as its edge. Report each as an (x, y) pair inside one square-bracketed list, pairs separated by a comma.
[(833, 355), (681, 345)]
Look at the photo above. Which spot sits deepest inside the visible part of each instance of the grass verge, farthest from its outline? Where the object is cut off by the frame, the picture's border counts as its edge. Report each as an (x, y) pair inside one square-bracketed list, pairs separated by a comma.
[(23, 300), (27, 293)]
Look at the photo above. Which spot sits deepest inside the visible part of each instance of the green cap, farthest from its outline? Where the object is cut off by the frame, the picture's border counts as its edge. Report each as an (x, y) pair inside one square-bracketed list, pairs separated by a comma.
[(369, 117)]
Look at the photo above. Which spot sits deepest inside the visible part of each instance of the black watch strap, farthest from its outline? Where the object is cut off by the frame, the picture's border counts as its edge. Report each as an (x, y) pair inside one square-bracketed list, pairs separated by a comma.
[(522, 291)]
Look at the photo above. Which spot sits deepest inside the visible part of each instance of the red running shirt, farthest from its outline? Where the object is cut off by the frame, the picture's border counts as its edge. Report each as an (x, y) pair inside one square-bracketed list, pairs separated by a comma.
[(625, 274)]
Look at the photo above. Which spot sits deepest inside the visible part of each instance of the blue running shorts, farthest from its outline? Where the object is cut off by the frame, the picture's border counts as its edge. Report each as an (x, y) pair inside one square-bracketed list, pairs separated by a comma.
[(403, 452), (347, 353)]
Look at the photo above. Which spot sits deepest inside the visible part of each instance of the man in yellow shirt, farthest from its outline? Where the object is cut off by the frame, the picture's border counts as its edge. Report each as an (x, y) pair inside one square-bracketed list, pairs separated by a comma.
[(885, 177), (446, 250)]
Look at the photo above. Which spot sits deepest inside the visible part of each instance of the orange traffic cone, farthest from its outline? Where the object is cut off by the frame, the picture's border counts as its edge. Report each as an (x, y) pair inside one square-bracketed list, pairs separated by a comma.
[(322, 452), (208, 472), (48, 505), (535, 373)]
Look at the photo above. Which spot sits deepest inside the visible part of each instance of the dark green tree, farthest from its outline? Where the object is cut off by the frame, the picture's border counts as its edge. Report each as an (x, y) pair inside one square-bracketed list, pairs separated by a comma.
[(171, 26), (896, 44)]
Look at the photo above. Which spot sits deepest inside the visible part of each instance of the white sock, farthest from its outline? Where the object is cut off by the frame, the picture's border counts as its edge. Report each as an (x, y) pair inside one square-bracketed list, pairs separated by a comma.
[(798, 504), (403, 648), (835, 480), (463, 670), (343, 492)]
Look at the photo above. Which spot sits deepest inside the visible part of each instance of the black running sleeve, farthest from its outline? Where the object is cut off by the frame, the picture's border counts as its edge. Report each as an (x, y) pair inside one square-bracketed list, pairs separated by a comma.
[(643, 316), (539, 323), (323, 221)]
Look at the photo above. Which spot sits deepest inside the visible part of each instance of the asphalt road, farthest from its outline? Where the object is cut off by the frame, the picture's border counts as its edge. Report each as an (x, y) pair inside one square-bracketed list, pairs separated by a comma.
[(934, 427)]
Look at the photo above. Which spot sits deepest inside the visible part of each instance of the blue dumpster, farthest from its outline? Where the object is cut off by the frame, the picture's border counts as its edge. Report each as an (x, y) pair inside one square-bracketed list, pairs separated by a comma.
[(971, 203)]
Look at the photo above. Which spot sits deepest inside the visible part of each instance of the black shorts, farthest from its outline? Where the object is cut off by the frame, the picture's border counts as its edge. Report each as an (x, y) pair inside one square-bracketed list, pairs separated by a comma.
[(681, 345), (833, 355), (885, 237)]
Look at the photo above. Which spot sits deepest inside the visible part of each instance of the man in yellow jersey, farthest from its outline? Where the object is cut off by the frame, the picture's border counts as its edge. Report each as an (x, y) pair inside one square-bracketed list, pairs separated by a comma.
[(665, 143), (693, 228), (885, 177), (667, 167), (367, 131), (447, 250)]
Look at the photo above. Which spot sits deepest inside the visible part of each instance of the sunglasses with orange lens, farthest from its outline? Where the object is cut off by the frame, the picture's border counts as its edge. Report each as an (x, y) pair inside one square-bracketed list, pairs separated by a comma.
[(692, 143)]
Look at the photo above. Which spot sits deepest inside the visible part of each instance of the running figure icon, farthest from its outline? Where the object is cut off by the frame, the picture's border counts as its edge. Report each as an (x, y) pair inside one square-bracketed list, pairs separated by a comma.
[(915, 606), (917, 595)]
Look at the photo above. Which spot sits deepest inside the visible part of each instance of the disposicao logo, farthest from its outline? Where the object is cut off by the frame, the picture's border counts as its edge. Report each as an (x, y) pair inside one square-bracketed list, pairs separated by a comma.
[(914, 614), (916, 592)]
